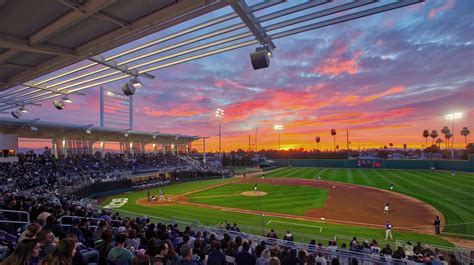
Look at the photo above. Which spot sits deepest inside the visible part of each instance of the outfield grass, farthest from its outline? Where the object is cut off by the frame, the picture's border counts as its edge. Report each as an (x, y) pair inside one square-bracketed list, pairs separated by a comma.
[(453, 196), (212, 217), (279, 198)]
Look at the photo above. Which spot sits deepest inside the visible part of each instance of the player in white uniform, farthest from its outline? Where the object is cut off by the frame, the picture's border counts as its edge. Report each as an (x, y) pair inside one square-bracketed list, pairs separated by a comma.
[(385, 208), (391, 186), (162, 196)]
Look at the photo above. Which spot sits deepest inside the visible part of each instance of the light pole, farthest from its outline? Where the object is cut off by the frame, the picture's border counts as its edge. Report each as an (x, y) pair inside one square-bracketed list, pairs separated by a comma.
[(220, 116), (278, 128), (452, 117)]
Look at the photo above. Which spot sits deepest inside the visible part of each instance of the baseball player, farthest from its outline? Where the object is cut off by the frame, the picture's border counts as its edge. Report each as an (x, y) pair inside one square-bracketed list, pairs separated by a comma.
[(255, 187), (452, 173), (385, 208), (388, 231), (391, 186), (162, 196), (153, 198), (148, 195)]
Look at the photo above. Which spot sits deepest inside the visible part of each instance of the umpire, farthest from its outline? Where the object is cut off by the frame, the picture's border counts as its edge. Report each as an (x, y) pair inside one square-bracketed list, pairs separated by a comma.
[(437, 225)]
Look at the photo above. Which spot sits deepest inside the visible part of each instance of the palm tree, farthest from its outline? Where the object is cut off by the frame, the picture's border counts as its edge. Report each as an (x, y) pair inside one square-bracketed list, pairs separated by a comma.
[(439, 141), (448, 136), (434, 135), (333, 133), (445, 131), (317, 139), (465, 132), (426, 133)]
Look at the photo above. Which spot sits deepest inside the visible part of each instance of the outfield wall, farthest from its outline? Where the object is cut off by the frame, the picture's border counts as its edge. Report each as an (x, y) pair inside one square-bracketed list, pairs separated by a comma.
[(456, 165)]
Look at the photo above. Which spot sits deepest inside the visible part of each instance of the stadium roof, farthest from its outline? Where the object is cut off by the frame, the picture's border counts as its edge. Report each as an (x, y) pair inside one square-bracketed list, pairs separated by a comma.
[(44, 37), (51, 130)]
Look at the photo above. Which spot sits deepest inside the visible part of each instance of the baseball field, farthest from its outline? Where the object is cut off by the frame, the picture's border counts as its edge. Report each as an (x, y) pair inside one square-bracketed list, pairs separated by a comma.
[(342, 204)]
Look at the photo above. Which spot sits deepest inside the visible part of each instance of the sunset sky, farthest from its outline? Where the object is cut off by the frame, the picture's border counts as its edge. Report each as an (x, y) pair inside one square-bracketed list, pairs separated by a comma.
[(385, 78)]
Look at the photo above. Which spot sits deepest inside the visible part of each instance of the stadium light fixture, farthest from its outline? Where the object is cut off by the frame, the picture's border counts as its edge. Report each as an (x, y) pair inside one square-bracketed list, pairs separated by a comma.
[(34, 129), (220, 116), (136, 83), (58, 104), (23, 109), (452, 117), (16, 114), (66, 99), (278, 128)]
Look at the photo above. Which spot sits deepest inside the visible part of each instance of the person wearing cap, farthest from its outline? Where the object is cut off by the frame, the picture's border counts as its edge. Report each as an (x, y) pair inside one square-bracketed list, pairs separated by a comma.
[(74, 229), (388, 231), (186, 255)]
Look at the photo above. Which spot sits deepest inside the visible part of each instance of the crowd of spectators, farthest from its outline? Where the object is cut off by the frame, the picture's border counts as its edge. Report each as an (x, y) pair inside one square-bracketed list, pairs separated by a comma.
[(40, 185), (126, 241)]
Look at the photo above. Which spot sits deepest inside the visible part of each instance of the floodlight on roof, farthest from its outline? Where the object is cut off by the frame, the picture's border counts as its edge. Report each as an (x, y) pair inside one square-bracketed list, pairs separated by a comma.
[(58, 104), (260, 58), (128, 89), (67, 99), (34, 129), (136, 83), (23, 109), (16, 114)]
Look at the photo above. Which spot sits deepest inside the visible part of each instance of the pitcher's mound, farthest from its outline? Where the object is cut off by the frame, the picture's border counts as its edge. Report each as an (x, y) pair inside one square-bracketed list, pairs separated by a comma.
[(254, 193)]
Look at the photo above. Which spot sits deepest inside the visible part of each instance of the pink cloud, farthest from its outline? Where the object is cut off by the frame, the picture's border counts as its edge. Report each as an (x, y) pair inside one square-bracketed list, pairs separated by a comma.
[(438, 10)]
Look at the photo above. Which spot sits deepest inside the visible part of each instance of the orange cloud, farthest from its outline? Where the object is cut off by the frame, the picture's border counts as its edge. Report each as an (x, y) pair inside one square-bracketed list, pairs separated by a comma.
[(176, 111), (337, 66), (393, 90)]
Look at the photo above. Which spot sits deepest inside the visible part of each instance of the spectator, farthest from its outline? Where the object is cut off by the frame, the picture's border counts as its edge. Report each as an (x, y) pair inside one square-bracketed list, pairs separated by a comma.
[(74, 229), (132, 243), (187, 255), (141, 260), (264, 258), (291, 259), (46, 238), (65, 250), (216, 257), (100, 228), (104, 245), (387, 250), (244, 257), (88, 236), (311, 260), (26, 253), (119, 254), (320, 258), (172, 255), (52, 224), (274, 261), (30, 232)]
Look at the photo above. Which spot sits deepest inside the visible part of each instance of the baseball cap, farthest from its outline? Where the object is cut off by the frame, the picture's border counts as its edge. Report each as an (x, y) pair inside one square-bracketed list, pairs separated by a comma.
[(185, 249), (121, 229)]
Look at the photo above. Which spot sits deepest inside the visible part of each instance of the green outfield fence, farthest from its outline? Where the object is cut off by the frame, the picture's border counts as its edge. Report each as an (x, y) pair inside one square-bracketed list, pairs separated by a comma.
[(456, 165)]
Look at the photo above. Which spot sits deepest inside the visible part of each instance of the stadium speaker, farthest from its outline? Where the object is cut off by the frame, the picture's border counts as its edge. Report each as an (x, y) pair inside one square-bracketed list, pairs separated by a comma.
[(260, 58), (58, 104), (128, 89), (16, 114)]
